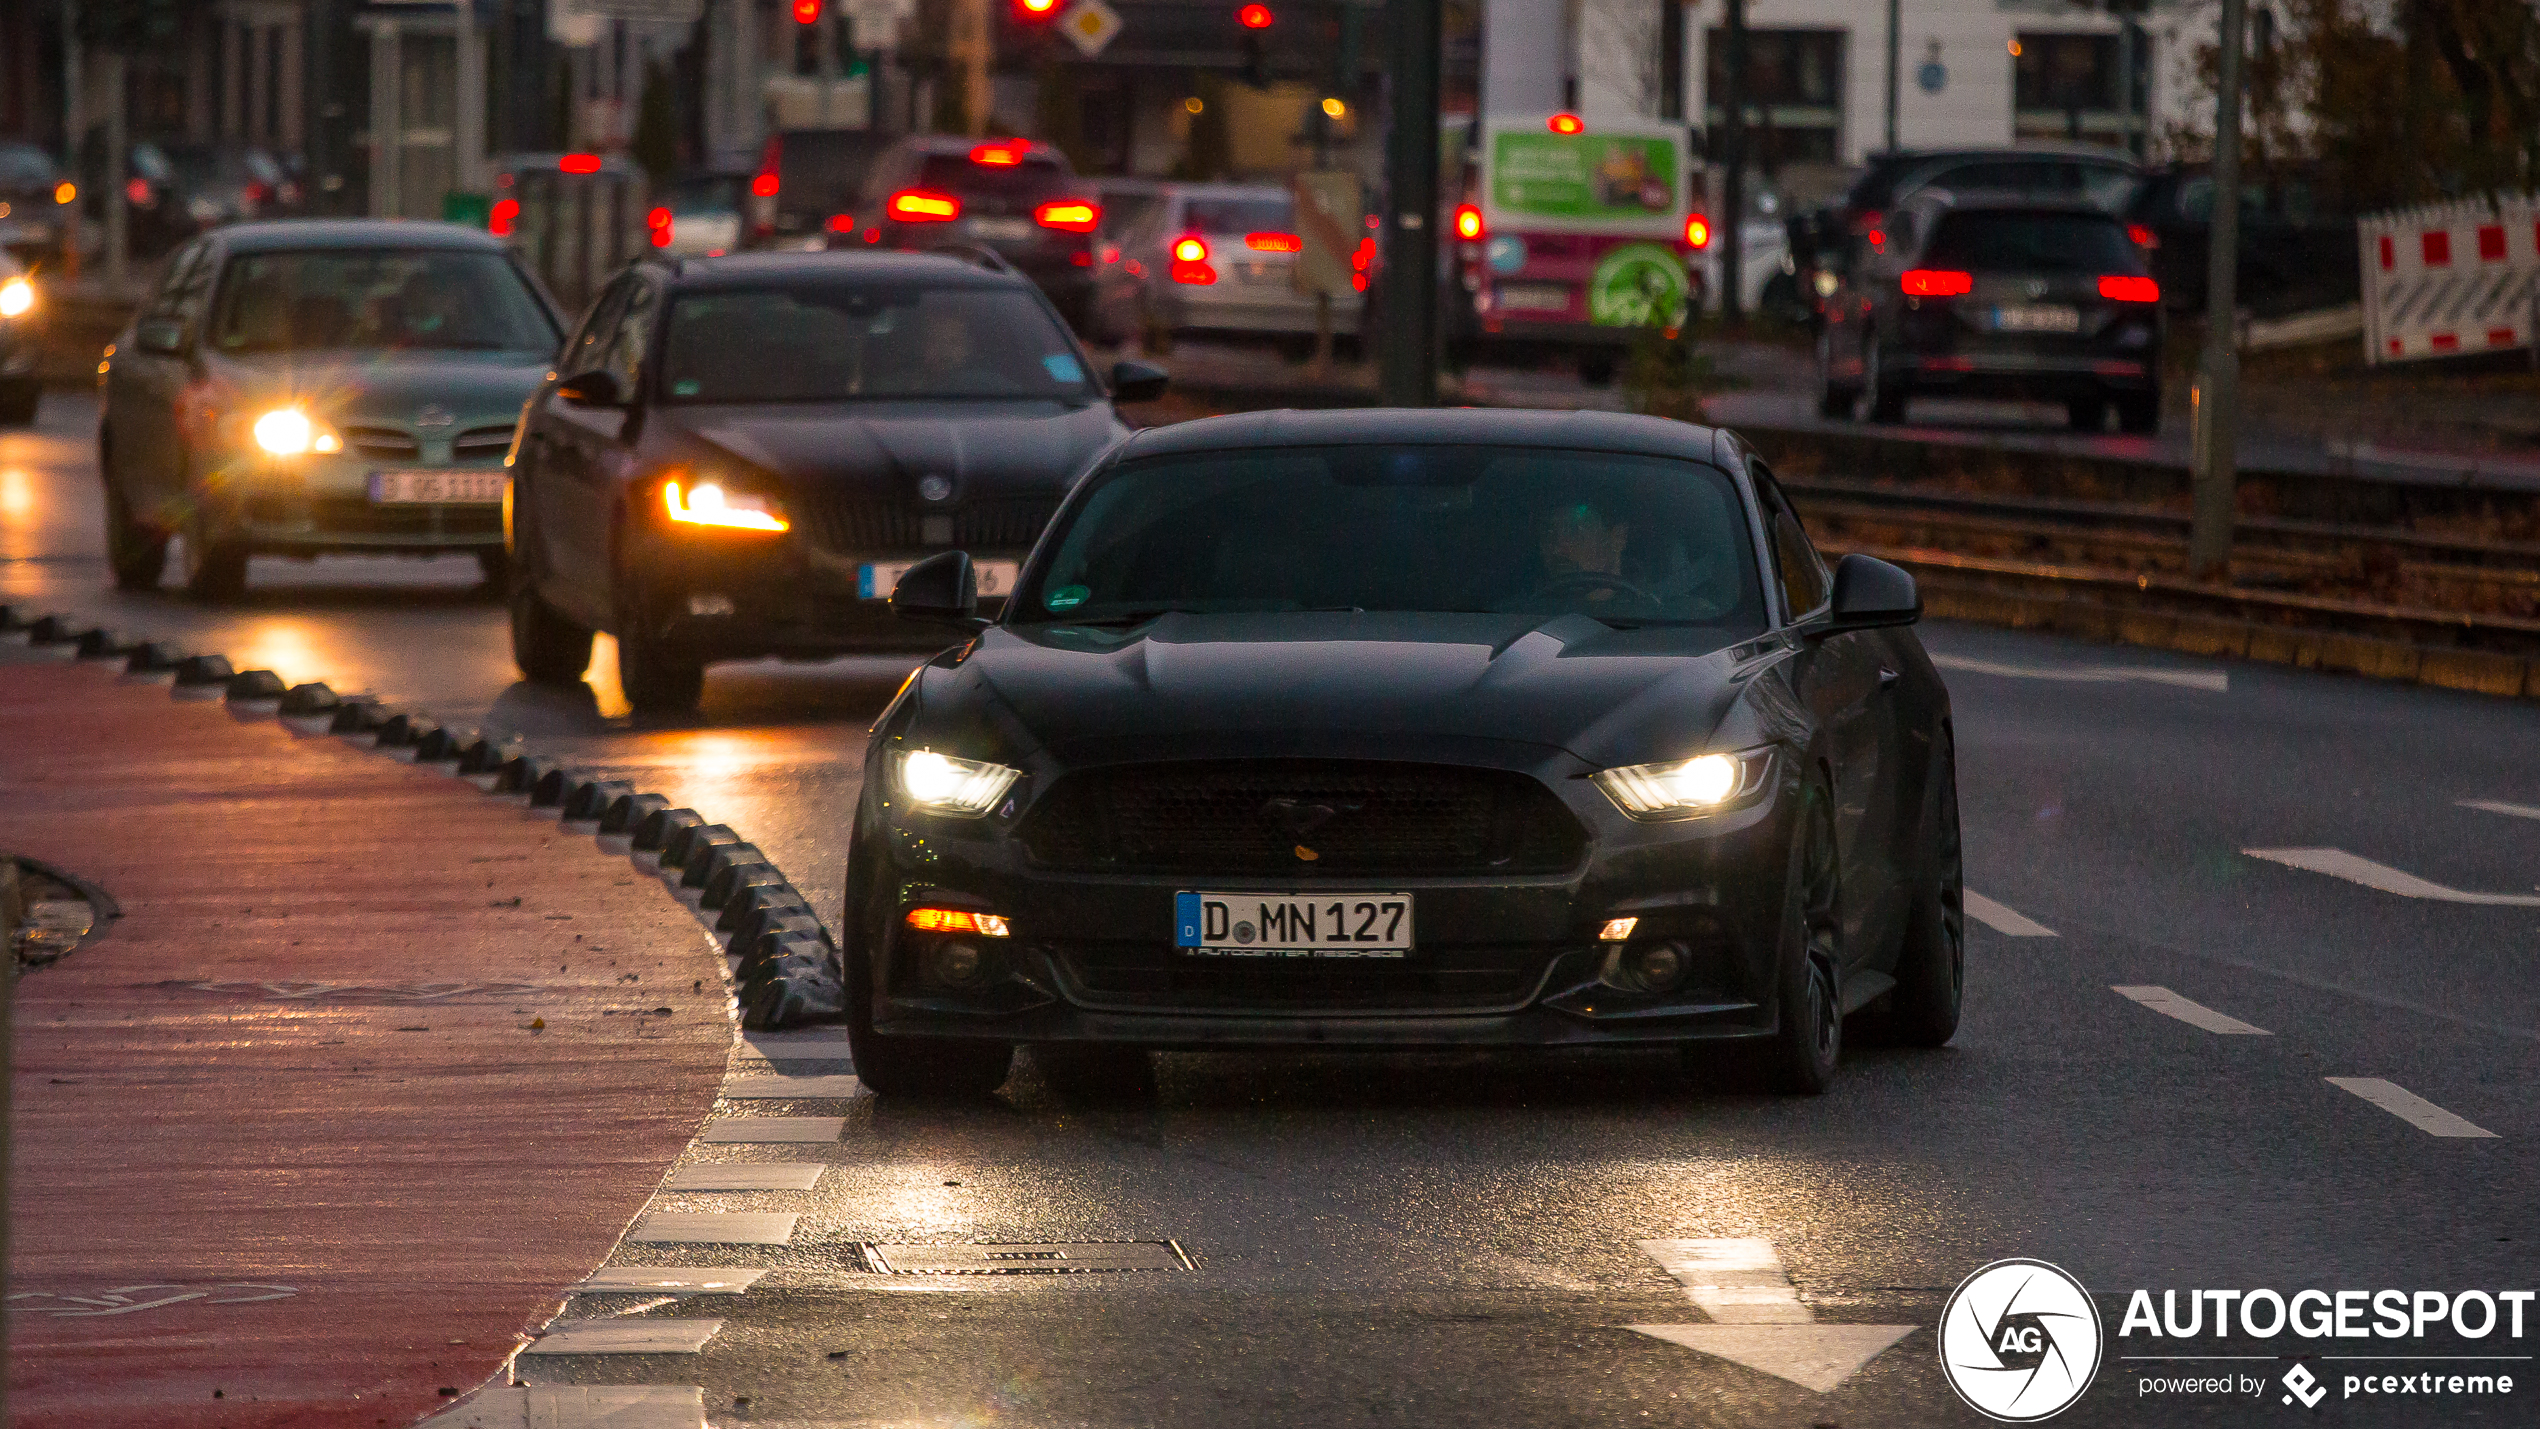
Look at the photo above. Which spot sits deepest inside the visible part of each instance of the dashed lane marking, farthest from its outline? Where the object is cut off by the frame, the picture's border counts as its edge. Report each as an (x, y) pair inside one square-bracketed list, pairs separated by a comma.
[(745, 1176), (815, 1046), (2337, 863), (2194, 1014), (624, 1337), (2498, 806), (791, 1088), (1740, 1281), (716, 1228), (2008, 922), (681, 1279), (729, 1129), (2216, 681), (2406, 1105), (579, 1406)]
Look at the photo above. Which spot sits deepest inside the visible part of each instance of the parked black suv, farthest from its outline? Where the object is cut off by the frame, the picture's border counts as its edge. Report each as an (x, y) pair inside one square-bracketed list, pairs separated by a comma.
[(1996, 295), (1018, 199), (2297, 243)]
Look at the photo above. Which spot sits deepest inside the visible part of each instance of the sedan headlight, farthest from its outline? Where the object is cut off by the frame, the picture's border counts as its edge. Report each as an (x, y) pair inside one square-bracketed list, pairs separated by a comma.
[(289, 431), (942, 784), (710, 503), (17, 298), (1688, 788)]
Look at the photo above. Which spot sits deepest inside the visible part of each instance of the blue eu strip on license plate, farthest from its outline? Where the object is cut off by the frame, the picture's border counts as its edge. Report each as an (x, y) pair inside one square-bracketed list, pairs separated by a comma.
[(1186, 920)]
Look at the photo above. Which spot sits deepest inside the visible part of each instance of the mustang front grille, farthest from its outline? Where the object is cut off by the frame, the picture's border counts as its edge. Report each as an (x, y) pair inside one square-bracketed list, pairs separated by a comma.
[(1302, 816)]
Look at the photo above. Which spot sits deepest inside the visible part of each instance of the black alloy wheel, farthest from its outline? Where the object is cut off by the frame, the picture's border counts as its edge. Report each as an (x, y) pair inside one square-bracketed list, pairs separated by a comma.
[(548, 648), (1801, 1056), (918, 1068), (1931, 969), (658, 678), (137, 554)]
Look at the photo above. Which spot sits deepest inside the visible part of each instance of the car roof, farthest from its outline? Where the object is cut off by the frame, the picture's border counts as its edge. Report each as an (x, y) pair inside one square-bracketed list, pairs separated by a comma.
[(742, 270), (2002, 200), (284, 235), (1430, 426)]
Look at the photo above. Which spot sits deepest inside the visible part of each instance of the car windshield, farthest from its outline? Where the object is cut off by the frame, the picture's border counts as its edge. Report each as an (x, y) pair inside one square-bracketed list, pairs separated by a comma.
[(2032, 243), (840, 341), (719, 194), (1033, 177), (1238, 215), (1632, 540), (417, 299)]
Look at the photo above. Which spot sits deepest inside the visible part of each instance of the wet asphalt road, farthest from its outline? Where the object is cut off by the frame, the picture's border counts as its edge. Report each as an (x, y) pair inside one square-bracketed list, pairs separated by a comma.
[(1416, 1240)]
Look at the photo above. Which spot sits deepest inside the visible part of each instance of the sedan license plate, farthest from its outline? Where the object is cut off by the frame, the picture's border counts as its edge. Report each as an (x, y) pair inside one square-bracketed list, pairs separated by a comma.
[(409, 488), (875, 579), (2040, 318), (1258, 925), (1535, 297), (1001, 230)]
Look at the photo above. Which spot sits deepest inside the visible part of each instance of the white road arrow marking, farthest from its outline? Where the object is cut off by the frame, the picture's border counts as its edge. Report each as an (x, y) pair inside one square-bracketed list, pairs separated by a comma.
[(1761, 1324), (624, 1337), (2216, 681), (2337, 863), (2006, 921), (578, 1406), (2497, 806), (2194, 1014)]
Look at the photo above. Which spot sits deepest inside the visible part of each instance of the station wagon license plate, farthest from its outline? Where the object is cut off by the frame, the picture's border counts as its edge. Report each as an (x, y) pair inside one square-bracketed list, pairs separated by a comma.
[(416, 487), (1001, 230), (875, 579), (1268, 925), (1534, 297), (2037, 318)]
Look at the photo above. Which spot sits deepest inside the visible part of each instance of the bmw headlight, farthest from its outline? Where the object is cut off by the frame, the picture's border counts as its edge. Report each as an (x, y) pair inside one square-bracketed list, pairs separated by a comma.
[(941, 784), (1688, 788)]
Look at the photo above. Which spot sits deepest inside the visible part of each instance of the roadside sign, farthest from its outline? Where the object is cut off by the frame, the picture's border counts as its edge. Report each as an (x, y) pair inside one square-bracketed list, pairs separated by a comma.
[(1090, 25), (1329, 218)]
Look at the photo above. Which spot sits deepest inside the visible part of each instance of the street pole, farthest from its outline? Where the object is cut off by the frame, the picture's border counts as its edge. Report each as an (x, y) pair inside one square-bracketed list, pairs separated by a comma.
[(1895, 61), (1729, 226), (75, 131), (118, 207), (1409, 376), (467, 130), (2217, 394)]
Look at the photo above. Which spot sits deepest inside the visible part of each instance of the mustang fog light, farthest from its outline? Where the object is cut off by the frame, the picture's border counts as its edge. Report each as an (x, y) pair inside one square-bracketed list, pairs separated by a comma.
[(1685, 788), (954, 964), (1650, 967), (958, 920), (942, 784)]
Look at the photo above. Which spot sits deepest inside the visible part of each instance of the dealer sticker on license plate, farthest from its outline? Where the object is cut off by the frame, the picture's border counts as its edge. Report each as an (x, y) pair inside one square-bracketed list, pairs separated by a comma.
[(2039, 318), (408, 488), (875, 579), (1257, 925)]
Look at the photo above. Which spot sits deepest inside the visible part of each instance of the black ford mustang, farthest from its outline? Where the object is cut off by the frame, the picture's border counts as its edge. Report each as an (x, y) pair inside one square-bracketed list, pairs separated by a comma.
[(1403, 729), (736, 457)]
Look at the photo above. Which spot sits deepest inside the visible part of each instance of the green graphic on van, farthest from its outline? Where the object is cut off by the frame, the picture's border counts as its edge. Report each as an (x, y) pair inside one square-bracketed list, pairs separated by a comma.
[(1583, 176), (1066, 597), (1638, 285)]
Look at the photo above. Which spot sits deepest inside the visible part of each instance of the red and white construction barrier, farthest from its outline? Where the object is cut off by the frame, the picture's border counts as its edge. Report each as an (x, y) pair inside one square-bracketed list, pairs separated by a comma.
[(2451, 278)]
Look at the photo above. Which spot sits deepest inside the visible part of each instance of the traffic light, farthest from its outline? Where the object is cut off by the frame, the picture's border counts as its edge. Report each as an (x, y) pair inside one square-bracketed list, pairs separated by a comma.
[(1256, 20)]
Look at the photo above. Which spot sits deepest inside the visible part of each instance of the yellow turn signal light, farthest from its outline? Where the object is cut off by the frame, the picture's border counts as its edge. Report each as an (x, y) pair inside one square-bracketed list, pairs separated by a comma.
[(708, 504), (958, 920)]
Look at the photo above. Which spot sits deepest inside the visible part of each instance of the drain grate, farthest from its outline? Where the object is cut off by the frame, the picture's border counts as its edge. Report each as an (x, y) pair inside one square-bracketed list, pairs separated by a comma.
[(1032, 1258)]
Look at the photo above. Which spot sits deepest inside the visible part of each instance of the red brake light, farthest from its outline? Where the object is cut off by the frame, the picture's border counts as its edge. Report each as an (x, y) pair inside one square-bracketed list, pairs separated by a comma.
[(658, 218), (1274, 243), (2141, 236), (661, 236), (1190, 248), (1937, 283), (924, 206), (1468, 221), (2120, 288), (506, 212), (1199, 274), (1565, 123), (1003, 156), (806, 12), (1697, 231), (842, 223), (764, 185), (1074, 215), (1254, 17), (579, 163)]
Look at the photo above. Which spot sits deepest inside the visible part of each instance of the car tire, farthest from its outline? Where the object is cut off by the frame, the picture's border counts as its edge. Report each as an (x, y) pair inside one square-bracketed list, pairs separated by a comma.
[(1887, 399), (657, 679), (548, 648), (215, 571), (918, 1068), (1807, 1042), (1835, 402), (2087, 414), (1931, 968), (137, 555), (1096, 1073), (18, 403), (2139, 415)]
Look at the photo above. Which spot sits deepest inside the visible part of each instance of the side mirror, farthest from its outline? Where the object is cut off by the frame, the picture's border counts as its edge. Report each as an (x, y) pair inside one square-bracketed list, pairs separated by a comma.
[(162, 336), (1870, 593), (943, 589), (1137, 382), (595, 388)]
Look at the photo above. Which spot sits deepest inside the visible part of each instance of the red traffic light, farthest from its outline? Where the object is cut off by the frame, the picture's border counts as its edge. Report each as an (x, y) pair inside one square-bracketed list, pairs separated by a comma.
[(806, 12), (1254, 17)]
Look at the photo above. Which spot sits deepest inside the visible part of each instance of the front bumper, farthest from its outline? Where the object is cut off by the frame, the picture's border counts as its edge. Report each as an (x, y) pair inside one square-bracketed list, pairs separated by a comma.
[(315, 505), (1497, 962), (747, 595)]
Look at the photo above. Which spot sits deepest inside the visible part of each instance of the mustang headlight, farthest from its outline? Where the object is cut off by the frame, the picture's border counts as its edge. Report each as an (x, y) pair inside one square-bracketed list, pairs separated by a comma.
[(710, 503), (289, 431), (1687, 788), (942, 784)]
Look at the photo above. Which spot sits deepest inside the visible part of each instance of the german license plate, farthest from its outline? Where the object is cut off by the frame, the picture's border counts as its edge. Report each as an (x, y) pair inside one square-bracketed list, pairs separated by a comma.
[(876, 578), (409, 488), (1373, 926), (1002, 230), (2037, 318), (1535, 297)]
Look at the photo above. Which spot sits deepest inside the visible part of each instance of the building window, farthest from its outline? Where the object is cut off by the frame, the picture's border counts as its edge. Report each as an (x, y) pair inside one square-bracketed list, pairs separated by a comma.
[(2070, 86), (1794, 94)]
